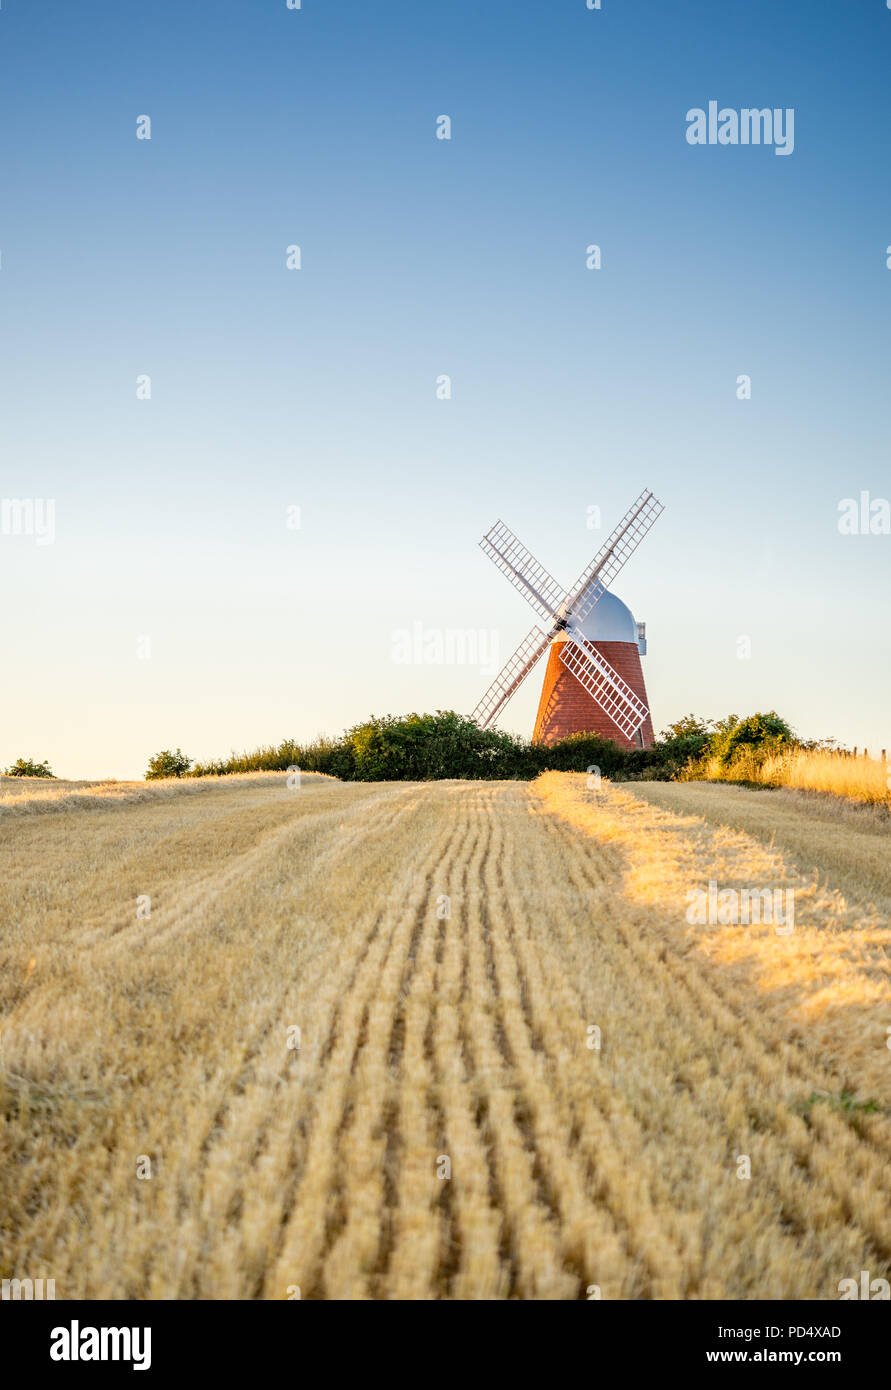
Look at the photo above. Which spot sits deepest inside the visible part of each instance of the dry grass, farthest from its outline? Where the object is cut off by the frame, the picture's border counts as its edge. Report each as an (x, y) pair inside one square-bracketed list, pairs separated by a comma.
[(29, 795), (427, 1036), (844, 843), (859, 779)]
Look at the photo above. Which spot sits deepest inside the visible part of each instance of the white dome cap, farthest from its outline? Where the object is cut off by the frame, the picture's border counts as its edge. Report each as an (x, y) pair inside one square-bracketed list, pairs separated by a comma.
[(610, 620)]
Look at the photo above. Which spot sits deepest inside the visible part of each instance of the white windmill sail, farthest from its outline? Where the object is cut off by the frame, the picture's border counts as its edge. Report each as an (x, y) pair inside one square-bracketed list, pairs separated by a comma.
[(621, 545), (523, 570), (511, 676)]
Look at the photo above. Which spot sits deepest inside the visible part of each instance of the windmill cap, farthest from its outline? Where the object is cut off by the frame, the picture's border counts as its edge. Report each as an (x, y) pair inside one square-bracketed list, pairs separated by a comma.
[(610, 620)]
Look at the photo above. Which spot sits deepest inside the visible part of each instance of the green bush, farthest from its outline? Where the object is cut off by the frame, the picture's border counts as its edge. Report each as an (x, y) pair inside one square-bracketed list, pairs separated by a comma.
[(761, 734), (424, 747), (167, 764), (26, 767), (421, 747), (581, 751)]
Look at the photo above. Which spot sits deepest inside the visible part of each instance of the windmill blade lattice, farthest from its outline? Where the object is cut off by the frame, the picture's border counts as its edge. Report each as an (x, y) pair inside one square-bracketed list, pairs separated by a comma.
[(594, 673), (619, 548), (523, 570), (511, 676)]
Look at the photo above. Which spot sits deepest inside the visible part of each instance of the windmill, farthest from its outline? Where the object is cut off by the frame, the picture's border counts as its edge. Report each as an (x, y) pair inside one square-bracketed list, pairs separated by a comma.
[(582, 690)]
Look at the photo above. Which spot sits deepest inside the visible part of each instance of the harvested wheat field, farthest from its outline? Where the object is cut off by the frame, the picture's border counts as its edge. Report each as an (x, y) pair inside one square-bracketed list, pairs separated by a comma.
[(521, 1071)]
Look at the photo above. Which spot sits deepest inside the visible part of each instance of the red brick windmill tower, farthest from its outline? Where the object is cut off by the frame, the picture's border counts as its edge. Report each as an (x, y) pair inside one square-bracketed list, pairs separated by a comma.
[(594, 680)]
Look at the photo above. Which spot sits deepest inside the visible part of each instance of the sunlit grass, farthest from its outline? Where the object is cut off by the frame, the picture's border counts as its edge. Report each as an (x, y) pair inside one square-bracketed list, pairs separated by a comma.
[(859, 779)]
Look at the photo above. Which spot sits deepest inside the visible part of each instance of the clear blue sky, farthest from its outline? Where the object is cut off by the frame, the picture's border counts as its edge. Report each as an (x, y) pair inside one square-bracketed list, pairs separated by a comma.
[(316, 388)]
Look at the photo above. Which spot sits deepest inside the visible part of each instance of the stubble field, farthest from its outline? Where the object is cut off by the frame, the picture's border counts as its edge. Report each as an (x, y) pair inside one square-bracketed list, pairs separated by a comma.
[(521, 1071)]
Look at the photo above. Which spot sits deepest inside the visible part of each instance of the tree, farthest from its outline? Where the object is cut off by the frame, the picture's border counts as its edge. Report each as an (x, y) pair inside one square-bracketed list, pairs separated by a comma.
[(26, 767), (689, 726), (167, 764)]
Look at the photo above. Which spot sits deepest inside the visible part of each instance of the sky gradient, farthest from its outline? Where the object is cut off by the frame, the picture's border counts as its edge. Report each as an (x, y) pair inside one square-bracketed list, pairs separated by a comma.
[(316, 388)]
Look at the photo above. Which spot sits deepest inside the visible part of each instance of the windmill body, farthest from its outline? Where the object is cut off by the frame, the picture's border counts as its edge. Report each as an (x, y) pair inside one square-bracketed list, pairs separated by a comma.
[(566, 707), (594, 680)]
